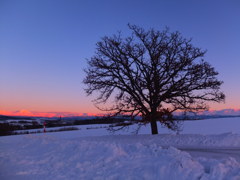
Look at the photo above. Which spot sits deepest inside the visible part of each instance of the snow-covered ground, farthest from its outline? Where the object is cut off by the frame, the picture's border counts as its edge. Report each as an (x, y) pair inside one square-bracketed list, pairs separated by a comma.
[(92, 154), (207, 126)]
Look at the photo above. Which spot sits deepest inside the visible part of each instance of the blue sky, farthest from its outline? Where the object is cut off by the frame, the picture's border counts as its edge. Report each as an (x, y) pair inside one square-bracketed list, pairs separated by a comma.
[(44, 45)]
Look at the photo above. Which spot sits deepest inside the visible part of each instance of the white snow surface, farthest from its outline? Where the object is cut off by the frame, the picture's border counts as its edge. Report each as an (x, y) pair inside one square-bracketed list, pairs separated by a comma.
[(67, 155)]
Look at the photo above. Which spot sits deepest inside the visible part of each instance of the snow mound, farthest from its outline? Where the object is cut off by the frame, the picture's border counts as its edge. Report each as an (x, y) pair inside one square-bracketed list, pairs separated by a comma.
[(225, 169), (111, 157)]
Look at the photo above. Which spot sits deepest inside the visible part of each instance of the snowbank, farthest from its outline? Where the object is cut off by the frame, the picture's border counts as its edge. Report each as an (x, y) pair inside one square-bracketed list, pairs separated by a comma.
[(50, 156)]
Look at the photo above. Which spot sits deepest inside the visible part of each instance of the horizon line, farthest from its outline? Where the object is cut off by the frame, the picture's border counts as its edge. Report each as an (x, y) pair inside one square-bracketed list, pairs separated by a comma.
[(28, 113)]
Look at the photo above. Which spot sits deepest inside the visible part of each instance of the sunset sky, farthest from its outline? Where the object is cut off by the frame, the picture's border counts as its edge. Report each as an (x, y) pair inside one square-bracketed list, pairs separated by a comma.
[(44, 45)]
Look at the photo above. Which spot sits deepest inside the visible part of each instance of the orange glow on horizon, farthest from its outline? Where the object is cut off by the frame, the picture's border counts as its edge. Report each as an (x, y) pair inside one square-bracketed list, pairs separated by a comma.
[(44, 114), (25, 112)]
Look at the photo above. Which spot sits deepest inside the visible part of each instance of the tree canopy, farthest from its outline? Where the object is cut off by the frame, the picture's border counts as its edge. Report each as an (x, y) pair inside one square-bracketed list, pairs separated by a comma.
[(152, 74)]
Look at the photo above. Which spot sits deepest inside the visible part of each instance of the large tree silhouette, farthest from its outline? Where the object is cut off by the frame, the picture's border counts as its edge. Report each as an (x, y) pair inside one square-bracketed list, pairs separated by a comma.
[(152, 74)]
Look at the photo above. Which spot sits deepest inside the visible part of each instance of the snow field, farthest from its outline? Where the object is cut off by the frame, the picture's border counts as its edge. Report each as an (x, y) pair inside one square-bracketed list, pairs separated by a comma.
[(50, 156)]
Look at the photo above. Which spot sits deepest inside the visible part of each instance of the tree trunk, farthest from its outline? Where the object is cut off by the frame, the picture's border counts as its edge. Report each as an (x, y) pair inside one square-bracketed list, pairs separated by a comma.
[(154, 127)]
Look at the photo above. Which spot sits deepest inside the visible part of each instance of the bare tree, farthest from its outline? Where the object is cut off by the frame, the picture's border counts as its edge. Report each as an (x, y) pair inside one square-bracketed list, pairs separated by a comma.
[(152, 74)]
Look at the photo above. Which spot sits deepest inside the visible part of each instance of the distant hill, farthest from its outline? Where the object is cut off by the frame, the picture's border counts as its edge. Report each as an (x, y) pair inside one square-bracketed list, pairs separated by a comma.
[(223, 112), (3, 117)]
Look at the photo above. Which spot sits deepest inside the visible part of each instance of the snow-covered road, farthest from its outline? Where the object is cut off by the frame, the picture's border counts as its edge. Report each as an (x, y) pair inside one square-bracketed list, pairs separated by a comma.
[(214, 153)]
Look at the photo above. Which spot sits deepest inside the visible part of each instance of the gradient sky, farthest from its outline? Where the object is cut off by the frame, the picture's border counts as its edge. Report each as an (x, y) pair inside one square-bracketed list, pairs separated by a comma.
[(44, 45)]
